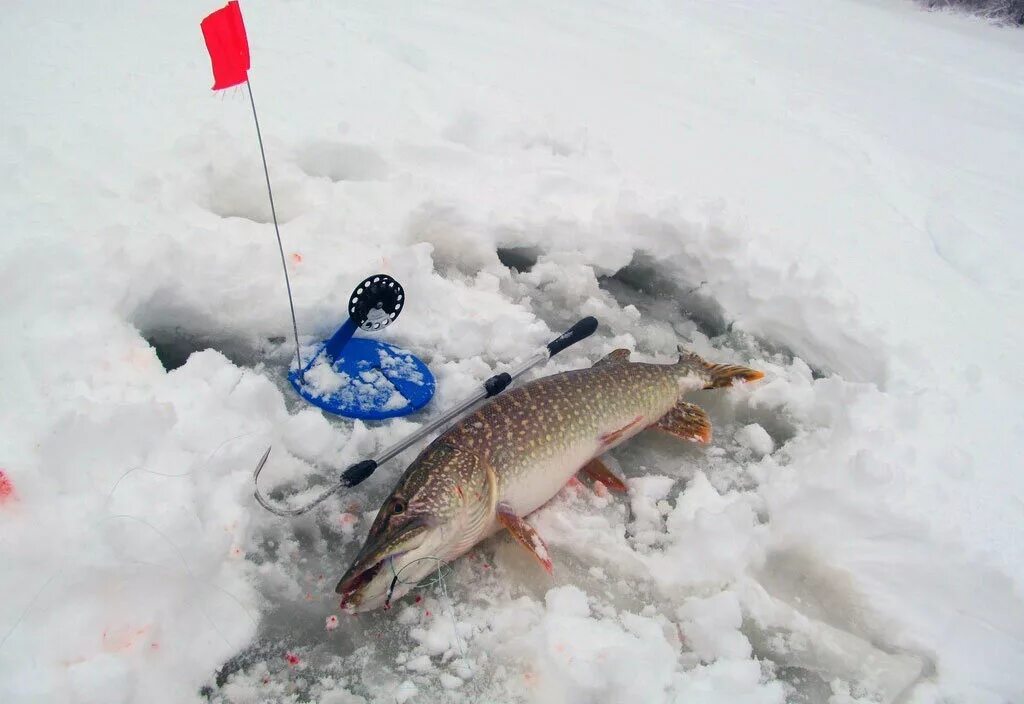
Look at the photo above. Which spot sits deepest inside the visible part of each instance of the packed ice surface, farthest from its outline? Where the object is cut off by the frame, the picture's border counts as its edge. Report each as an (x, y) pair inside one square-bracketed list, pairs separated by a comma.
[(825, 191)]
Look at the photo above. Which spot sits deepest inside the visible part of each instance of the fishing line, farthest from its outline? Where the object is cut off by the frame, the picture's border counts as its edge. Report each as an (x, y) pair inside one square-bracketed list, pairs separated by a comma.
[(183, 474), (439, 580), (28, 606), (188, 571), (177, 551), (57, 573)]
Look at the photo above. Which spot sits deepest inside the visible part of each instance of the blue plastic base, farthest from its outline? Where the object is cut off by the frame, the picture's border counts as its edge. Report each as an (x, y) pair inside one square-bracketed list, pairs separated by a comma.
[(360, 378)]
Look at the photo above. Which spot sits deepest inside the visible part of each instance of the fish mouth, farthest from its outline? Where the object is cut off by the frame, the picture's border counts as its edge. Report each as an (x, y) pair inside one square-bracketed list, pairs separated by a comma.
[(364, 581), (352, 589), (355, 590), (350, 586)]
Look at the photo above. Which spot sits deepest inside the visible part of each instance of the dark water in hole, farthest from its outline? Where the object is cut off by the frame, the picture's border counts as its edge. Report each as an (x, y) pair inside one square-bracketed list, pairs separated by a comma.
[(173, 347)]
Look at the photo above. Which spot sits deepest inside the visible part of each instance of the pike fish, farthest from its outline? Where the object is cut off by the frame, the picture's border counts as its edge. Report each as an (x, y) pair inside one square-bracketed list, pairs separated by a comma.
[(513, 454)]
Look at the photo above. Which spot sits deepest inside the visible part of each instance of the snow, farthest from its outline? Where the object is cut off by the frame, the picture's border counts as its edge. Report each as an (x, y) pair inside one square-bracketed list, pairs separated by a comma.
[(827, 192), (711, 626), (756, 439), (400, 366), (370, 390)]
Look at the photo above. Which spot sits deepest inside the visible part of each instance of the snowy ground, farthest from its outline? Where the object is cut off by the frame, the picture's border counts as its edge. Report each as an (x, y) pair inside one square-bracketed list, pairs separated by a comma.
[(828, 191)]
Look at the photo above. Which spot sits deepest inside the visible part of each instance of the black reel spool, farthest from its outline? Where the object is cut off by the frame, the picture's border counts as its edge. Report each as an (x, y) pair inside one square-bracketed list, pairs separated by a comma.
[(376, 302)]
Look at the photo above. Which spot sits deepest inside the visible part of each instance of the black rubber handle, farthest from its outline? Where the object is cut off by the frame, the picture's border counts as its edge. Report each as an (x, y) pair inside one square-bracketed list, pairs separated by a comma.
[(358, 472), (497, 383), (581, 330)]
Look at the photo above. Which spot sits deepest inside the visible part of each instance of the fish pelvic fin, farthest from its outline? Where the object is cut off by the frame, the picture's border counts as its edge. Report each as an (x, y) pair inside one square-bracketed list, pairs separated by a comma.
[(619, 356), (716, 376), (599, 472), (525, 535), (686, 421), (492, 490)]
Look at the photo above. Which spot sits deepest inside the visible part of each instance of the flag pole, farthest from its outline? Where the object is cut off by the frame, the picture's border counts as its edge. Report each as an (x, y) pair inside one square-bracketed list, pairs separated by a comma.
[(277, 230)]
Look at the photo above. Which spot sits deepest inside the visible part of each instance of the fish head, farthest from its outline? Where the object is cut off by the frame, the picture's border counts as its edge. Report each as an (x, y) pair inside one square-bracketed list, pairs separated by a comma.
[(412, 533)]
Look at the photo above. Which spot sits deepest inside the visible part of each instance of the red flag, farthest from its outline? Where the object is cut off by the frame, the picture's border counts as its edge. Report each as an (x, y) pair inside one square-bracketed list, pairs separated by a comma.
[(228, 46)]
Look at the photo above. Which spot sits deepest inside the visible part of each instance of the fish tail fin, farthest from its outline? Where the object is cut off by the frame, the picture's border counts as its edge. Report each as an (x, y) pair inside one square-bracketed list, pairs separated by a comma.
[(717, 376)]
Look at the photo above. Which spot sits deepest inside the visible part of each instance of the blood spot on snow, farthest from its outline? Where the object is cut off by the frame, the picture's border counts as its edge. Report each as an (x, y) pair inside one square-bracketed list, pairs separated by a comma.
[(296, 257), (684, 642), (6, 488), (121, 639), (292, 659), (331, 623), (418, 598), (348, 519), (427, 613)]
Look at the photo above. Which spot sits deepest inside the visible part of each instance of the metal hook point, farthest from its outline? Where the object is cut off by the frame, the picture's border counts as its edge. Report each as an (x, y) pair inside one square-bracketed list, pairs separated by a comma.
[(263, 461), (278, 510)]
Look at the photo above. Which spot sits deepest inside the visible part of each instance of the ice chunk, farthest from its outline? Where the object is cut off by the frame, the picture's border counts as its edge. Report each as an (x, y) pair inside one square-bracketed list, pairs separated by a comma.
[(756, 439)]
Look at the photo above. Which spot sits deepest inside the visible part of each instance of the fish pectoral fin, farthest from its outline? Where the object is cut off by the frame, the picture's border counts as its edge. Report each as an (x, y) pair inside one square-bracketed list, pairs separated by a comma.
[(525, 535), (598, 471), (686, 421)]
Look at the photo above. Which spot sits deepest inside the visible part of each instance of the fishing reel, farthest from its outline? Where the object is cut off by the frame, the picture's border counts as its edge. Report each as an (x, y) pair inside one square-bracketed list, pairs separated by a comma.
[(357, 377), (376, 302)]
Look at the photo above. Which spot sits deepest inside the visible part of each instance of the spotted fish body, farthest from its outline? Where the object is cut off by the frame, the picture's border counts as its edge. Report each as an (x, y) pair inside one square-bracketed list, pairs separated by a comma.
[(512, 455), (537, 437)]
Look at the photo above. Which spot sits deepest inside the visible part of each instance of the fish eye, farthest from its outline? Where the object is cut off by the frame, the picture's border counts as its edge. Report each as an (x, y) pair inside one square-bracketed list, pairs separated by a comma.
[(398, 506)]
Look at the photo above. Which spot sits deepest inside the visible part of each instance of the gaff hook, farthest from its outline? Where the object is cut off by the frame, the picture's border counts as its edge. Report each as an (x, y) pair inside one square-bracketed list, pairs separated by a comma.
[(265, 502), (491, 387)]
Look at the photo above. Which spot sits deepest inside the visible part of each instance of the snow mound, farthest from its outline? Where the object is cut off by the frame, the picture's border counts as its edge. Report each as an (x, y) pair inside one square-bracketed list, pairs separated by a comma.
[(692, 174)]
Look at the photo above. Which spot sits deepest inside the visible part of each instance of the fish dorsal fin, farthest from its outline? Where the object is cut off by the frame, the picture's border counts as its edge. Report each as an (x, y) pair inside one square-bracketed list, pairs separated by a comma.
[(618, 356), (686, 421), (525, 535)]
